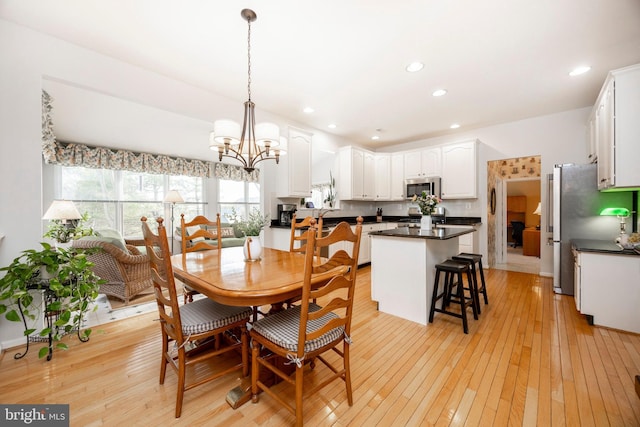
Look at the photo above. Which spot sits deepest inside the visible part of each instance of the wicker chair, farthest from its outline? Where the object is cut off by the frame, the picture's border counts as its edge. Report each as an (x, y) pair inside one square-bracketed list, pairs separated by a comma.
[(127, 272)]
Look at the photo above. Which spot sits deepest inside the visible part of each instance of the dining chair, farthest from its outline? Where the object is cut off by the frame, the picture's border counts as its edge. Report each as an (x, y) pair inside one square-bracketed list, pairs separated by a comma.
[(304, 332), (199, 331), (197, 235), (297, 242)]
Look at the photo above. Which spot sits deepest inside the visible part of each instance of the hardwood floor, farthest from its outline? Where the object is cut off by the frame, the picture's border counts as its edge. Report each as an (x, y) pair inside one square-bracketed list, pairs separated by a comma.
[(529, 360)]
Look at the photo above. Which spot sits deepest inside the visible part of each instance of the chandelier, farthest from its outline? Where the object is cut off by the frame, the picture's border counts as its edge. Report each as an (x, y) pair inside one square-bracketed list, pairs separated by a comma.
[(249, 144)]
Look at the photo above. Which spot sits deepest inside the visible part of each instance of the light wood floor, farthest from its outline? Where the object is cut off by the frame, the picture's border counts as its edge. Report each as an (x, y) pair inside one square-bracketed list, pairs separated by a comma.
[(529, 360)]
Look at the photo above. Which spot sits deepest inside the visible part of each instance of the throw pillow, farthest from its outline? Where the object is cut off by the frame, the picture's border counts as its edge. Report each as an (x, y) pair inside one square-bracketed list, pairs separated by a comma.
[(111, 236), (227, 232)]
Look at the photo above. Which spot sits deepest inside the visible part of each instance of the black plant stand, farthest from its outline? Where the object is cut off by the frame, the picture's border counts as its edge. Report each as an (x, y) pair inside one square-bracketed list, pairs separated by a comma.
[(50, 316)]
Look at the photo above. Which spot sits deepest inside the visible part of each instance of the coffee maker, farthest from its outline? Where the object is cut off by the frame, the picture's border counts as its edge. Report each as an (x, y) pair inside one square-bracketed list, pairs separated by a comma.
[(285, 213)]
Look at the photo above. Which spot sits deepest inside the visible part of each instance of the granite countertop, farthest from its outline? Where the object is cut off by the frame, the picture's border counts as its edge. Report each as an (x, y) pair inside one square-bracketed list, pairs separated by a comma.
[(330, 222), (602, 246), (436, 233)]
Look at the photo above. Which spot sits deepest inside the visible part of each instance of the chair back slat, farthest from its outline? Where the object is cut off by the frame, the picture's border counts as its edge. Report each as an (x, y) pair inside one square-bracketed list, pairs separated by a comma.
[(208, 237), (162, 272), (336, 294), (301, 238)]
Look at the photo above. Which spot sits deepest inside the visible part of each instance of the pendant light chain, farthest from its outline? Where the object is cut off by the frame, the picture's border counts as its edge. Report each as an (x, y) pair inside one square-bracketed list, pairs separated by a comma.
[(249, 59)]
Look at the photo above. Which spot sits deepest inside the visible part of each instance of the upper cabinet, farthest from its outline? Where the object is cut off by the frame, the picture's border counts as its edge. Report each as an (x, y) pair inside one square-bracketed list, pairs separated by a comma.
[(397, 176), (364, 175), (614, 129), (422, 163), (294, 170), (382, 183), (356, 171), (459, 170)]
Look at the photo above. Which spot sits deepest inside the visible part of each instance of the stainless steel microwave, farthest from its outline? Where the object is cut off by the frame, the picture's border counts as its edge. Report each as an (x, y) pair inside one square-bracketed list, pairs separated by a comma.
[(416, 186)]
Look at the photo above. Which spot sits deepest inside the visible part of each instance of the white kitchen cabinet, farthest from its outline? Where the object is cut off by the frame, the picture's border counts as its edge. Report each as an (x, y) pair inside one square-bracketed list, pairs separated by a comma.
[(591, 140), (422, 163), (603, 127), (294, 170), (355, 180), (468, 243), (364, 255), (382, 183), (617, 129), (459, 170), (397, 177), (607, 289), (279, 238)]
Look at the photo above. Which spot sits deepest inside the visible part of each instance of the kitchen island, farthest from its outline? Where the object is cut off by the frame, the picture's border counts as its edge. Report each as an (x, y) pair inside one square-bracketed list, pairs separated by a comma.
[(403, 264)]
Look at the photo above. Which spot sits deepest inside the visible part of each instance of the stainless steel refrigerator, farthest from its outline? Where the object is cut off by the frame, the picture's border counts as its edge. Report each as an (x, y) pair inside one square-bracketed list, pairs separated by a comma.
[(576, 205)]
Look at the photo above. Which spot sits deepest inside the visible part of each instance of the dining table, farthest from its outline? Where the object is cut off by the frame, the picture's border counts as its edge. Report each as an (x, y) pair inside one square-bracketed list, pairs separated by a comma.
[(224, 276)]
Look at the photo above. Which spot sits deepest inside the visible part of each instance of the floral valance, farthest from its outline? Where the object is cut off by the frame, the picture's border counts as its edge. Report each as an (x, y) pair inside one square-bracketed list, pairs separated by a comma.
[(235, 173), (74, 154)]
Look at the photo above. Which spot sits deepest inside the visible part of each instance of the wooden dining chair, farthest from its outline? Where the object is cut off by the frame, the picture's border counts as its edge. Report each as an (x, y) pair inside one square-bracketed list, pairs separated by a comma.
[(304, 332), (198, 331), (298, 241), (197, 235)]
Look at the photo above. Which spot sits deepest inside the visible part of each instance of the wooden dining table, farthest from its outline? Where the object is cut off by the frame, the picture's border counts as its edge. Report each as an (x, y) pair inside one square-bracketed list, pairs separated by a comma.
[(224, 276)]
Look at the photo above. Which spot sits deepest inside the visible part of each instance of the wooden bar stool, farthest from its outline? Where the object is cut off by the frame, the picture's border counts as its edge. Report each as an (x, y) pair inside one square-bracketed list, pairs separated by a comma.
[(453, 270), (474, 259)]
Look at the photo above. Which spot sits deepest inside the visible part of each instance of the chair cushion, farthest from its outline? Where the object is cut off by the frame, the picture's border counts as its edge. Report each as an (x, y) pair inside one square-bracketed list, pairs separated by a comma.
[(205, 314), (282, 329)]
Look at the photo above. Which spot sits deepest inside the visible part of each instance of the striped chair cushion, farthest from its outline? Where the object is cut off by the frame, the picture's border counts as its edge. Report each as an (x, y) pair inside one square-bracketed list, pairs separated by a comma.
[(205, 314), (282, 329)]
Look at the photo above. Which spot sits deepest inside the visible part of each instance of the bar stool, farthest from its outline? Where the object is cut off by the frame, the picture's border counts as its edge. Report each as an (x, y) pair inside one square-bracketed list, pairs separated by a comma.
[(453, 269), (474, 259)]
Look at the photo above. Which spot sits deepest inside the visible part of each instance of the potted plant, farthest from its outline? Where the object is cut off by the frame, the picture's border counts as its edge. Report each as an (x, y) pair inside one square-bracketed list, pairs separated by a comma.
[(63, 231), (330, 199), (250, 228), (427, 204), (69, 285)]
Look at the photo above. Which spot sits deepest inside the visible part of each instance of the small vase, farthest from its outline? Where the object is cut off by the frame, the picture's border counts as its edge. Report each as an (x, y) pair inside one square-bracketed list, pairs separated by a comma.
[(252, 248), (425, 222)]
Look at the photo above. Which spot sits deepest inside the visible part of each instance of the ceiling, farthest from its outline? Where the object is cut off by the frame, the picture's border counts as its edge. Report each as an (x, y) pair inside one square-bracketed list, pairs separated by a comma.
[(499, 60)]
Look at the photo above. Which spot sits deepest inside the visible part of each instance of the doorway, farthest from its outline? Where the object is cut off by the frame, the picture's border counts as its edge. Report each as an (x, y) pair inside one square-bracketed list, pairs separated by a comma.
[(520, 228), (514, 187)]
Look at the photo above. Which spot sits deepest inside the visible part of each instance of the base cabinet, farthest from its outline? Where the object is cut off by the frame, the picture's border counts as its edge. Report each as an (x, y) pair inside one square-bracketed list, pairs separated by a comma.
[(607, 289)]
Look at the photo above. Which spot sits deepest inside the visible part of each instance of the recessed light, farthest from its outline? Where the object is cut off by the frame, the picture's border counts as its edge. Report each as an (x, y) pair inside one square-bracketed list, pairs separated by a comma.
[(454, 126), (439, 92), (332, 126), (308, 110), (579, 70), (415, 66), (375, 137)]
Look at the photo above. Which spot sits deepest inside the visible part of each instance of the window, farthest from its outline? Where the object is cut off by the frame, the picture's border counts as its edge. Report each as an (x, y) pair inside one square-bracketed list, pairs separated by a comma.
[(118, 199), (243, 196)]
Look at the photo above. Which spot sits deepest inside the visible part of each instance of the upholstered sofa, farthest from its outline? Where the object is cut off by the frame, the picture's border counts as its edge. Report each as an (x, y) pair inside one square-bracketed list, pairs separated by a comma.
[(230, 235), (120, 262)]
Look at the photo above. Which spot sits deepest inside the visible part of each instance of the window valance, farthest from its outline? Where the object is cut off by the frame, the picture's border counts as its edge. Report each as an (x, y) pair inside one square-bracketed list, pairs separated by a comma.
[(74, 154)]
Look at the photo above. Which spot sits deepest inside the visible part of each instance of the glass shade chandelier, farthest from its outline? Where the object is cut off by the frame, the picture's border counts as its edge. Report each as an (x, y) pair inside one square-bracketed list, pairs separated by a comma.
[(248, 143)]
